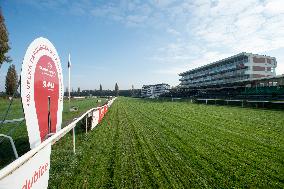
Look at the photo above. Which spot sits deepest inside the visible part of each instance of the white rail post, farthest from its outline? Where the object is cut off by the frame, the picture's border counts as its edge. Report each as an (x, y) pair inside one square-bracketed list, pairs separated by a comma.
[(87, 124), (12, 144), (74, 140)]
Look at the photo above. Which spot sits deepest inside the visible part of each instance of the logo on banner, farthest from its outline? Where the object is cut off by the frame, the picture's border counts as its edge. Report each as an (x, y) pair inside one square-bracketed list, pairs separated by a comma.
[(101, 113), (105, 109), (33, 174), (42, 90), (96, 117)]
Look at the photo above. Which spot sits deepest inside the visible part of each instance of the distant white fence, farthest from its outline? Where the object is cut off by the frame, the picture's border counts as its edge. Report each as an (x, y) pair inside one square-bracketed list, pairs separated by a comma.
[(12, 121), (9, 169)]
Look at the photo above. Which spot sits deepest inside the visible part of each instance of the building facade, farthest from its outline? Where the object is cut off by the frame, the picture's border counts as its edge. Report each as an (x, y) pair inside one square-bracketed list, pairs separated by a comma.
[(154, 91), (240, 67)]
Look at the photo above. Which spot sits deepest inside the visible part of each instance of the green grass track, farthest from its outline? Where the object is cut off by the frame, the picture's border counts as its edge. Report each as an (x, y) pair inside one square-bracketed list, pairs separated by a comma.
[(148, 144)]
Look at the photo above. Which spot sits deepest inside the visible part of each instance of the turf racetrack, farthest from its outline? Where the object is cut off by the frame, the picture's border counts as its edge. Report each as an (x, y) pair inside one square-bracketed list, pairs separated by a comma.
[(149, 144)]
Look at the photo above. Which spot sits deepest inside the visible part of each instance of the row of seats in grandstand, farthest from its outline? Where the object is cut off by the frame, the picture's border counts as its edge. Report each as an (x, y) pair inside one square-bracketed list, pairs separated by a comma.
[(264, 90)]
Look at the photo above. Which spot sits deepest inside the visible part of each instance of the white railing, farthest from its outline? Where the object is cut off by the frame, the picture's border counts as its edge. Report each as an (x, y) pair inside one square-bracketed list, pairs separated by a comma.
[(9, 169)]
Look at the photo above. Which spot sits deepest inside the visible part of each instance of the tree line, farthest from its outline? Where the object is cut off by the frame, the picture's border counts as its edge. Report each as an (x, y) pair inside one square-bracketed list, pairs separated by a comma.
[(100, 92), (11, 82)]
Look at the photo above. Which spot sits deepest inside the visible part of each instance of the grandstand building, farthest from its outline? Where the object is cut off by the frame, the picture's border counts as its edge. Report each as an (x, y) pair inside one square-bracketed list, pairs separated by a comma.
[(238, 68), (154, 91)]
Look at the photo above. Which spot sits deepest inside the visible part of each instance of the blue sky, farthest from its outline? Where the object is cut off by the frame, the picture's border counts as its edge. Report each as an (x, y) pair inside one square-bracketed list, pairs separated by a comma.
[(143, 42)]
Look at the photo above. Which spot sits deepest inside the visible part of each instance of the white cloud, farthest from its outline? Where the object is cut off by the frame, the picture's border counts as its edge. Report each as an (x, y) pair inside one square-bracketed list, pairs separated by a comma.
[(206, 58), (171, 71), (228, 27), (240, 25), (275, 6), (162, 3), (204, 29), (135, 20), (173, 31)]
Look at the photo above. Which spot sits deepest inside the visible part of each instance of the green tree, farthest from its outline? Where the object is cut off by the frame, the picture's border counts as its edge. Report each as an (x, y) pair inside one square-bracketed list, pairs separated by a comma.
[(66, 92), (132, 90), (116, 88), (101, 90), (78, 91), (11, 80), (4, 40)]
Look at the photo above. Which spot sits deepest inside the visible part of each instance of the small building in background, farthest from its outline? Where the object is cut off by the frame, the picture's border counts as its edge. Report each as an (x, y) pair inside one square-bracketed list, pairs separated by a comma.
[(154, 91)]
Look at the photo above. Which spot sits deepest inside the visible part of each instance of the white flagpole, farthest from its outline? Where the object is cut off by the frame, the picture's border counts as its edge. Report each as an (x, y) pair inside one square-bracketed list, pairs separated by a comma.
[(69, 76)]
